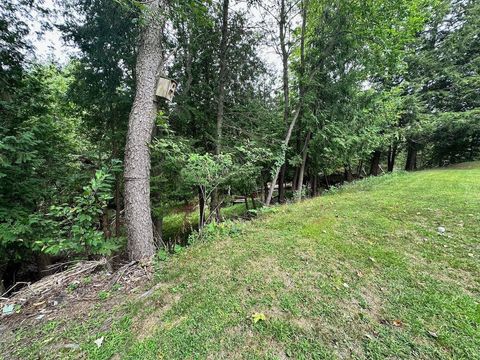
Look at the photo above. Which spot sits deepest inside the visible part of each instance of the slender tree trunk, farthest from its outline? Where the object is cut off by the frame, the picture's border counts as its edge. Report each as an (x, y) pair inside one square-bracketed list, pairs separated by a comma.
[(246, 201), (375, 163), (201, 207), (295, 178), (214, 204), (283, 26), (277, 171), (392, 154), (106, 224), (411, 156), (142, 118), (359, 169), (302, 167), (283, 46), (254, 206), (281, 184)]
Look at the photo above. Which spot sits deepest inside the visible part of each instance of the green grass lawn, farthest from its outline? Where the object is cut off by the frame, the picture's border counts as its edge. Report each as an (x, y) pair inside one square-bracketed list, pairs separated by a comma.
[(359, 273)]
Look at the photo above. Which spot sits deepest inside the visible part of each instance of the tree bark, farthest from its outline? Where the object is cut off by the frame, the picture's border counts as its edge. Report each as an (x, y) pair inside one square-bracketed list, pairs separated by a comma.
[(295, 178), (301, 173), (254, 205), (140, 127), (201, 207), (106, 224), (392, 154), (411, 156), (214, 204), (277, 171), (375, 163), (281, 184), (283, 46)]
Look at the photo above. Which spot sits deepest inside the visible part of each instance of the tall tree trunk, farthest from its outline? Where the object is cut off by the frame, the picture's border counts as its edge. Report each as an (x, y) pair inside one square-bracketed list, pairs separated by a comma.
[(302, 167), (283, 26), (283, 47), (286, 97), (281, 184), (295, 178), (201, 207), (411, 156), (375, 163), (265, 192), (214, 204), (392, 154), (277, 171), (140, 126)]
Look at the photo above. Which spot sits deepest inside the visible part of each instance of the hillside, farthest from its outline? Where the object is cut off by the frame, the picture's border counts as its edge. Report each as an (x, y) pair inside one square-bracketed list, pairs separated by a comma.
[(362, 272)]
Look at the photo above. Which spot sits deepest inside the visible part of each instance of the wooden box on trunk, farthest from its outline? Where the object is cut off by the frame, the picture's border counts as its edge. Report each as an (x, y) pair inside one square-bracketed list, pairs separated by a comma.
[(166, 88)]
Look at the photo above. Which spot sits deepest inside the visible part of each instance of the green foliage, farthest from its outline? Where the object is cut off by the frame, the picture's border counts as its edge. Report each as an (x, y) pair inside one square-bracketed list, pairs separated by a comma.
[(208, 171), (75, 228), (37, 142), (214, 230)]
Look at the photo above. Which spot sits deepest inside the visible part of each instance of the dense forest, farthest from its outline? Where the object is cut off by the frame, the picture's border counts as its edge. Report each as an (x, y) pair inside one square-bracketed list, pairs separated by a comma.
[(93, 158)]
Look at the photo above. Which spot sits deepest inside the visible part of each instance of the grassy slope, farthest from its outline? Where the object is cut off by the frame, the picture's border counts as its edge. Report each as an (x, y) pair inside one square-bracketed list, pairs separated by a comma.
[(357, 274)]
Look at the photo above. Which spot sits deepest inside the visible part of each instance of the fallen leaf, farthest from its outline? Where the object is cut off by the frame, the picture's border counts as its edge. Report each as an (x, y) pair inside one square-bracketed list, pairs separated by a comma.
[(359, 274), (397, 323), (433, 334), (372, 259), (99, 341), (258, 317), (8, 309)]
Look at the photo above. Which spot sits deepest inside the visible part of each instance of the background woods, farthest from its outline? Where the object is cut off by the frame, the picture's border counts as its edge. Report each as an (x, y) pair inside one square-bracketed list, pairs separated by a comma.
[(277, 100)]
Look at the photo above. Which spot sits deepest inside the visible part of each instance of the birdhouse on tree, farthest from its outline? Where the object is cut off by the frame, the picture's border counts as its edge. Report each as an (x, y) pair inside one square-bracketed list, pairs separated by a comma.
[(166, 88)]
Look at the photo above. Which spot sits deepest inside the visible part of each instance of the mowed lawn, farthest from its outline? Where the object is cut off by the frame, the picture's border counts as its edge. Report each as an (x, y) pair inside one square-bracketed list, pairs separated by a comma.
[(360, 273)]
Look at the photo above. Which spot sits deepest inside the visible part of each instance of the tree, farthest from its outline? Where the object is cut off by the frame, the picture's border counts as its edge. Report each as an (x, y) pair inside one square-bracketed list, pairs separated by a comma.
[(141, 122), (221, 97)]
